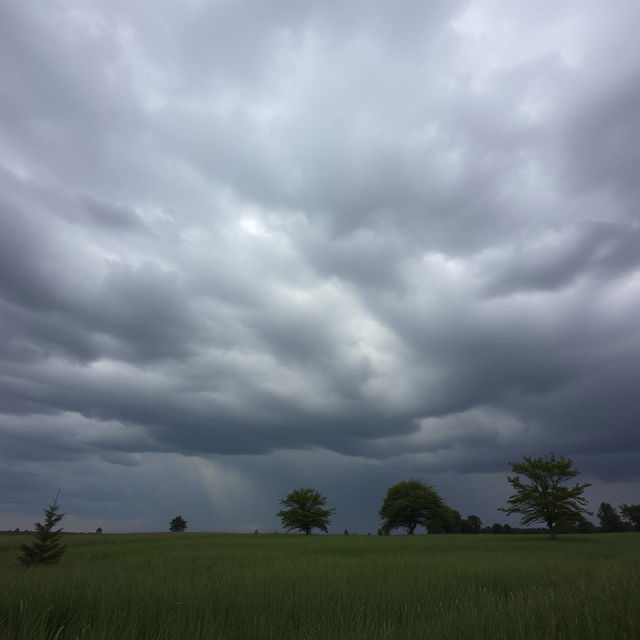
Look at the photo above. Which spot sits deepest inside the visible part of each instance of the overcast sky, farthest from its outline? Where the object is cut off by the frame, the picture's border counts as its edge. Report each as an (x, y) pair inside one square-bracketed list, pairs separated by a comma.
[(251, 246)]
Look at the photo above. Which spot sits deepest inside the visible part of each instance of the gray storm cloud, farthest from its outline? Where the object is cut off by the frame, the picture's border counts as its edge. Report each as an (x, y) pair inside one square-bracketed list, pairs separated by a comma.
[(244, 246)]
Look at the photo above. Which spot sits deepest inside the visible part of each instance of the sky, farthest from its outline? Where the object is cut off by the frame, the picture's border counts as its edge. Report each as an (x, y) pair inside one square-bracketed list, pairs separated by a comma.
[(247, 247)]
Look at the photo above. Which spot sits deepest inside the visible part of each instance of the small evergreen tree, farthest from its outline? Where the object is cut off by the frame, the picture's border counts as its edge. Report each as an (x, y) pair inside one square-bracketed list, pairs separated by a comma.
[(47, 548), (178, 524)]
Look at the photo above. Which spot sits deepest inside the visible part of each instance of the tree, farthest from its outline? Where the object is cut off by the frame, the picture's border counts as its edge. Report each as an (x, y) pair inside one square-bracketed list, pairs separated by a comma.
[(471, 524), (410, 504), (452, 521), (448, 521), (178, 524), (99, 530), (586, 526), (631, 513), (610, 521), (544, 498), (47, 548), (475, 524), (304, 511)]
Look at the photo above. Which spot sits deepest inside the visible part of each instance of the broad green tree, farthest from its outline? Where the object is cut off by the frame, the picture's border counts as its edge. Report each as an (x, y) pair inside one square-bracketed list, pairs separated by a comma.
[(178, 524), (541, 495), (631, 513), (47, 548), (410, 504), (304, 510)]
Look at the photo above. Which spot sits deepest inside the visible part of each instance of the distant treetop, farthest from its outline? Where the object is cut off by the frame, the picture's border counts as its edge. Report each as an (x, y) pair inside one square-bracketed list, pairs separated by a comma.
[(178, 524)]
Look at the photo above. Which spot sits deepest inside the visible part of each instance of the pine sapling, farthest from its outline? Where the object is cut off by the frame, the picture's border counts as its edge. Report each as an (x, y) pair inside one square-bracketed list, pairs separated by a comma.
[(47, 548)]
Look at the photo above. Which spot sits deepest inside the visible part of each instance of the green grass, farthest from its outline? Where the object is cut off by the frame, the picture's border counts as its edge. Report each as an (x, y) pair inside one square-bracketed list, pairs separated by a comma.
[(264, 587)]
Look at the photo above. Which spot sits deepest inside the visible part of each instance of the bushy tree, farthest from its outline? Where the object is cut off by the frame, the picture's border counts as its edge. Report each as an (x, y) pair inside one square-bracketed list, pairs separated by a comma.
[(178, 524), (610, 521), (449, 521), (410, 504), (543, 497), (304, 510), (631, 513), (452, 521), (47, 548)]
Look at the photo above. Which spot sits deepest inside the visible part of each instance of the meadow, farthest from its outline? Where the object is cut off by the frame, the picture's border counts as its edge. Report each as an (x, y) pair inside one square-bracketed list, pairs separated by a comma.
[(222, 586)]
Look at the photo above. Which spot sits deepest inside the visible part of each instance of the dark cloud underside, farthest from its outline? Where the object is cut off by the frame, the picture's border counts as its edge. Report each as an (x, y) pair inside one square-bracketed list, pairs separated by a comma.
[(247, 246)]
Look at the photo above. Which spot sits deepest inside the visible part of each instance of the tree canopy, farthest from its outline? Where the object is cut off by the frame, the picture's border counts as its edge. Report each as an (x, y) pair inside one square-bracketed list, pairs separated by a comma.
[(610, 521), (47, 548), (178, 524), (544, 498), (410, 504), (471, 524), (631, 513), (304, 511)]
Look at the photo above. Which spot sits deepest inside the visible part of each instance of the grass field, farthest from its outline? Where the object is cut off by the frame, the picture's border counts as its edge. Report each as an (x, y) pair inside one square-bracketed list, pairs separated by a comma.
[(219, 586)]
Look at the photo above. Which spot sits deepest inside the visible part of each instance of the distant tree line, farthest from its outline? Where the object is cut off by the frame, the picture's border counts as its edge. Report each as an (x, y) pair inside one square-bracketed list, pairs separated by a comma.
[(541, 496), (612, 522)]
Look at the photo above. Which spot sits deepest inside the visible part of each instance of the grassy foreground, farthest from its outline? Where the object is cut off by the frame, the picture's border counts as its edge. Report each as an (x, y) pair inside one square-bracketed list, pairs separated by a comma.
[(218, 586)]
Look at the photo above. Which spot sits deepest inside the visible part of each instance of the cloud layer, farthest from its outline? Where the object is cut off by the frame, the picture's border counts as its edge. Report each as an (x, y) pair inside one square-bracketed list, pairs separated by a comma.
[(247, 248)]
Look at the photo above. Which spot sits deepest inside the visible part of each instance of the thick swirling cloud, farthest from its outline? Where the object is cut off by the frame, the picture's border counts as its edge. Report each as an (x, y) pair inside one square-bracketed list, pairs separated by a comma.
[(247, 247)]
